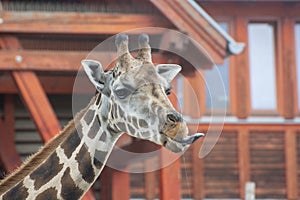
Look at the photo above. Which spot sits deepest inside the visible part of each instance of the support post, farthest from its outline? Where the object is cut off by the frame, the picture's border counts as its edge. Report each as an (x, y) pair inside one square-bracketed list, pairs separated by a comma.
[(286, 73), (240, 93), (197, 167), (8, 153), (243, 159), (291, 168), (120, 185), (170, 176)]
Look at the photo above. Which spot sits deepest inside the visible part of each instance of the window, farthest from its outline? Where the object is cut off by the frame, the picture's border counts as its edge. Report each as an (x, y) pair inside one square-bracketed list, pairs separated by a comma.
[(297, 34), (262, 66), (217, 98)]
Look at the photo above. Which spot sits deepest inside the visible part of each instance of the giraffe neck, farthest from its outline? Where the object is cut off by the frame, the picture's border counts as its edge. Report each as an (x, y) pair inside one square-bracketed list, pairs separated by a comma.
[(76, 162)]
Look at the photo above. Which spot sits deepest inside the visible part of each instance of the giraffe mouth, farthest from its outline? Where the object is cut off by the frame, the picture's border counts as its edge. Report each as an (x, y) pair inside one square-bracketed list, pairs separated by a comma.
[(177, 145), (190, 139)]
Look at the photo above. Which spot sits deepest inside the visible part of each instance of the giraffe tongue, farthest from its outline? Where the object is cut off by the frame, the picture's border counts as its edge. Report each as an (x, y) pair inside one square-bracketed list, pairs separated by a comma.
[(190, 139)]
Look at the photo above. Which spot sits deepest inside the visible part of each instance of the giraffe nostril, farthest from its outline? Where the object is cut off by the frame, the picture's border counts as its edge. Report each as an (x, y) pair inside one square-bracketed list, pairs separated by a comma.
[(171, 118), (174, 117), (165, 143)]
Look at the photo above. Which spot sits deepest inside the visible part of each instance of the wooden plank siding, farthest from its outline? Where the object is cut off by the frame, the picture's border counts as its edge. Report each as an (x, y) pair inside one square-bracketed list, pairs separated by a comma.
[(267, 164)]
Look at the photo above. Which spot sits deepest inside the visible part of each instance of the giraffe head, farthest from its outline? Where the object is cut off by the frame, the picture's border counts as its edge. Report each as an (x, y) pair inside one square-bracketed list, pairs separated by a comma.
[(134, 96)]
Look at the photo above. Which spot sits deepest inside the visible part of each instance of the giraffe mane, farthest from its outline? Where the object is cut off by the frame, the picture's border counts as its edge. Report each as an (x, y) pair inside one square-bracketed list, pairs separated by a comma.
[(35, 160)]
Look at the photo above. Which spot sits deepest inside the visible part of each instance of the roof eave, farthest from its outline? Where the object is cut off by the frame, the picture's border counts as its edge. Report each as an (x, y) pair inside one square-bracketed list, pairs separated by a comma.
[(233, 47)]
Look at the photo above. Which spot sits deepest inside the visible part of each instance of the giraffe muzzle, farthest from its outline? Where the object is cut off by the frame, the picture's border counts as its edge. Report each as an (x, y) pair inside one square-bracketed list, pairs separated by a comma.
[(190, 139)]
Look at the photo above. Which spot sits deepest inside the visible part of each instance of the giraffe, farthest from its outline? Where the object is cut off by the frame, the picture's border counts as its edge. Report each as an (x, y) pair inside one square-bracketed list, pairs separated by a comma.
[(132, 99)]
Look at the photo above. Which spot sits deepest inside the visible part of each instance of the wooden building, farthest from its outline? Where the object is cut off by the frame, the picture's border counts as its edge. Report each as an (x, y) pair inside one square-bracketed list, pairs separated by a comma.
[(43, 42)]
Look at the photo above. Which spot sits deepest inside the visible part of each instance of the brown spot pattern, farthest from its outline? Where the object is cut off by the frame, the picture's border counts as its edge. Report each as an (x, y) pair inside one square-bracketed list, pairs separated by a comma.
[(89, 115), (121, 112), (131, 129), (103, 136), (85, 164), (16, 193), (143, 123), (71, 143), (121, 126), (135, 123), (94, 129), (69, 190), (49, 194), (46, 171)]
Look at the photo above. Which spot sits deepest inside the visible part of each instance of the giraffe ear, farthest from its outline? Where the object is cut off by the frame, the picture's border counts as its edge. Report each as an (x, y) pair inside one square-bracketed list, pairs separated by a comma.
[(168, 71), (95, 72)]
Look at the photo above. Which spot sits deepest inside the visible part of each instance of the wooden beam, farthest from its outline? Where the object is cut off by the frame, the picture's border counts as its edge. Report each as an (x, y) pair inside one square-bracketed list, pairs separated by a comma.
[(197, 168), (78, 23), (240, 84), (286, 71), (37, 103), (105, 182), (252, 9), (170, 177), (291, 169), (243, 159), (150, 179), (8, 153), (57, 61), (52, 84)]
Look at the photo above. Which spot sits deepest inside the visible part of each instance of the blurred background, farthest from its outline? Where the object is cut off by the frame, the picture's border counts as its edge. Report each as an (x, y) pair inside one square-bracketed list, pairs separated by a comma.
[(253, 45)]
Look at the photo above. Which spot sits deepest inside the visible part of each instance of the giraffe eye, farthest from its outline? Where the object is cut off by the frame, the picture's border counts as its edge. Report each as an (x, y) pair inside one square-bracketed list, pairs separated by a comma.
[(122, 93)]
